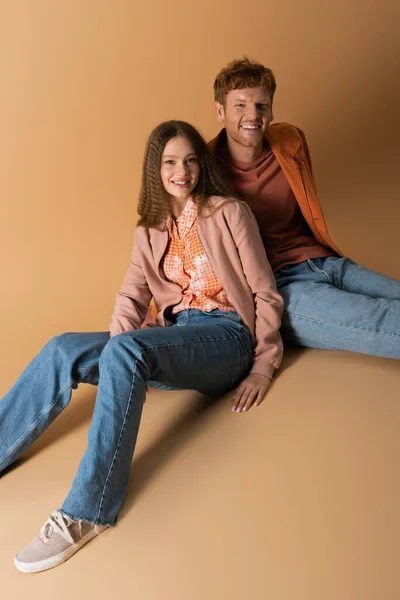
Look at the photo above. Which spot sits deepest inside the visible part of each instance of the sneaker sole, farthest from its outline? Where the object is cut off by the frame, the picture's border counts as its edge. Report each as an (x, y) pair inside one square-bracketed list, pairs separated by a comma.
[(54, 561)]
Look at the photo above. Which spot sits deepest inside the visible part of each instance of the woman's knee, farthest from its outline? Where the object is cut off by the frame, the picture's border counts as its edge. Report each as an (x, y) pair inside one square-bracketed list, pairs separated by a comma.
[(59, 343), (71, 345), (123, 342), (123, 347)]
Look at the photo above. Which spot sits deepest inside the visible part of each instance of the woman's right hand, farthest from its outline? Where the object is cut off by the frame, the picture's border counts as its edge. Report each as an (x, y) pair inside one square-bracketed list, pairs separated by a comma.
[(251, 392)]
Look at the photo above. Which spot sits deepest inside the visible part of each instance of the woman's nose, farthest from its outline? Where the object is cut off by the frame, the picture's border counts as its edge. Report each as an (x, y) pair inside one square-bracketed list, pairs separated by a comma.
[(181, 169)]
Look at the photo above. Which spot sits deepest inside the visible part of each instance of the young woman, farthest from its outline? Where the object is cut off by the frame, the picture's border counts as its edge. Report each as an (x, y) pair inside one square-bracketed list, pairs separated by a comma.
[(199, 255)]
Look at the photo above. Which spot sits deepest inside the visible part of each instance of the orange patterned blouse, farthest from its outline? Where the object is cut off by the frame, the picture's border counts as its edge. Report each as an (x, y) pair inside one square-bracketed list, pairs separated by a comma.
[(186, 263)]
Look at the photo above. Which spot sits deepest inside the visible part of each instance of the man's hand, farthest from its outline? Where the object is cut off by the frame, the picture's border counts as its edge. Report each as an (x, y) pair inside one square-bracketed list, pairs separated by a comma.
[(250, 392)]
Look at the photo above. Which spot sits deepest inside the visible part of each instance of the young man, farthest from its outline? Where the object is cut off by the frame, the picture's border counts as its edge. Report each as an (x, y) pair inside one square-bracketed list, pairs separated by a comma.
[(330, 301)]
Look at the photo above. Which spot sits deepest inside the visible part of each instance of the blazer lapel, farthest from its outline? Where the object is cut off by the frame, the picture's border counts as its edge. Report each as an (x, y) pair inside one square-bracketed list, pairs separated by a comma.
[(159, 243)]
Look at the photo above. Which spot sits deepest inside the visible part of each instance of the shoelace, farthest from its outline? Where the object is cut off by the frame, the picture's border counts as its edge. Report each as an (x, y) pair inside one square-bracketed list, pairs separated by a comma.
[(59, 523)]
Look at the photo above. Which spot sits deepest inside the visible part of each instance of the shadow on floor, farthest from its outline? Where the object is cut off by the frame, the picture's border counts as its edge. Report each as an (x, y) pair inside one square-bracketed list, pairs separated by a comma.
[(79, 412), (156, 458)]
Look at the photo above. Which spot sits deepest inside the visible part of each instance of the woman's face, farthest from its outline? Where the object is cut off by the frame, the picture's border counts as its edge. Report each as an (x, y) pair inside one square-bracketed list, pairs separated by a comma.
[(179, 168)]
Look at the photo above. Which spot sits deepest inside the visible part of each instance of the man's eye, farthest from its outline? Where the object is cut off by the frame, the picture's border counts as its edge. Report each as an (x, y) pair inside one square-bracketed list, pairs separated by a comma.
[(240, 105)]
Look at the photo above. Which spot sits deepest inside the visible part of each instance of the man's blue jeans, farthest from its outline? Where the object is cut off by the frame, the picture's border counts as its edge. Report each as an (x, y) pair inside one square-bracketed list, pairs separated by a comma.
[(207, 352), (333, 303)]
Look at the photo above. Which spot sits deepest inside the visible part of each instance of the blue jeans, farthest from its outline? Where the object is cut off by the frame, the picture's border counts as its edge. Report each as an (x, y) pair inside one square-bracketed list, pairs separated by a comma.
[(333, 303), (208, 352)]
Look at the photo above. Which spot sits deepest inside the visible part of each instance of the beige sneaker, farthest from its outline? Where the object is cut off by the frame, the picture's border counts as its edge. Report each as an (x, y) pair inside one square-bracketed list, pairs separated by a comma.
[(59, 538)]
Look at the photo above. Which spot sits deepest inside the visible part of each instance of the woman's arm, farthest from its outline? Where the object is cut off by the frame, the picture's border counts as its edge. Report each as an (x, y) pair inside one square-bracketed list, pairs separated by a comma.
[(133, 300), (268, 306), (268, 303)]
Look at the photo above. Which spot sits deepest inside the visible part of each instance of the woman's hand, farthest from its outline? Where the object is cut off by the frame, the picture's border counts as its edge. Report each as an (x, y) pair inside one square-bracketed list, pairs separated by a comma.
[(250, 392)]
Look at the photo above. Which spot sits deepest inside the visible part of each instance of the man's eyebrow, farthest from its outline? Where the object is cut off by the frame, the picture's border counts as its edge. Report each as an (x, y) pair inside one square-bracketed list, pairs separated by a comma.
[(242, 99)]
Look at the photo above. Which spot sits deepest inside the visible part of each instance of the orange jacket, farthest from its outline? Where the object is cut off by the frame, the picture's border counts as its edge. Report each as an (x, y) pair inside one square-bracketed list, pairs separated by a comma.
[(288, 143)]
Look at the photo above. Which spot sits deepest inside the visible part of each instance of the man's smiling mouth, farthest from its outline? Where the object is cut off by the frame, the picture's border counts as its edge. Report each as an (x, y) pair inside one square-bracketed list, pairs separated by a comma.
[(250, 127)]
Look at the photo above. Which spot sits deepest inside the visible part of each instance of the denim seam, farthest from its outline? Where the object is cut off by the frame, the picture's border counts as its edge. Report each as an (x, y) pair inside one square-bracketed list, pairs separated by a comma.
[(116, 453), (42, 415), (342, 325), (191, 342), (315, 269), (242, 363)]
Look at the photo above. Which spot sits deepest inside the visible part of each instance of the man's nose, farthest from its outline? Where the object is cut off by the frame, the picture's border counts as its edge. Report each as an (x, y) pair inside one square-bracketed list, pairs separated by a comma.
[(252, 112)]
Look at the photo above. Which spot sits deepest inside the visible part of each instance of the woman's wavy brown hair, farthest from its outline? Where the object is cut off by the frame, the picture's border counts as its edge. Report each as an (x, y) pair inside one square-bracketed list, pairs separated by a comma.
[(154, 204)]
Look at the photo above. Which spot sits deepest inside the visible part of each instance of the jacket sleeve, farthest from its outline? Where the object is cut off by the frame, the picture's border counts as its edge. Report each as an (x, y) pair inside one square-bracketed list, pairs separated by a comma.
[(133, 301), (268, 303), (306, 152)]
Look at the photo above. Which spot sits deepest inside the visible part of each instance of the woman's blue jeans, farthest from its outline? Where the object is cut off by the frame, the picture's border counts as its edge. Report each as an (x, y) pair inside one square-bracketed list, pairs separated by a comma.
[(336, 304), (207, 352)]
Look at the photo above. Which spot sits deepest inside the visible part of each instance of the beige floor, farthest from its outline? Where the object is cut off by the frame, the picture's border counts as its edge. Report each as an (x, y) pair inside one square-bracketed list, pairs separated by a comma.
[(296, 500)]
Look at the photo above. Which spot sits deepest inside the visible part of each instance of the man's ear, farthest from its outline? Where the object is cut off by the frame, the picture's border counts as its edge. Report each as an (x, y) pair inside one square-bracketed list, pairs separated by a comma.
[(220, 112)]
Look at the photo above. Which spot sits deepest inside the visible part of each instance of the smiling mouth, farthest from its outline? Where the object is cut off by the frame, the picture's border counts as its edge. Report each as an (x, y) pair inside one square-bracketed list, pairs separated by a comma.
[(250, 127), (181, 183)]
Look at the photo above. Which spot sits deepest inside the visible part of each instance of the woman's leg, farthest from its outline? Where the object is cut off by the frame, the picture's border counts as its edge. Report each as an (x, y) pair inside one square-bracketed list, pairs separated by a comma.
[(44, 389), (211, 355)]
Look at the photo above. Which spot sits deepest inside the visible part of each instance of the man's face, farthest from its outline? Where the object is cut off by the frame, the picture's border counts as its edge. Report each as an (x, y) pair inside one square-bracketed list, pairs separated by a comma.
[(246, 115)]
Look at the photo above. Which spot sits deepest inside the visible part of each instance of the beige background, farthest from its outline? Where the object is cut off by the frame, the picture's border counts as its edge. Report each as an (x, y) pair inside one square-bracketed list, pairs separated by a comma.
[(299, 499)]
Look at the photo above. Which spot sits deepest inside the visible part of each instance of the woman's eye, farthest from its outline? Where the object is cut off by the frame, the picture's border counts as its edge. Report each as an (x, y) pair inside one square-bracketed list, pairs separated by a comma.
[(192, 160), (169, 162)]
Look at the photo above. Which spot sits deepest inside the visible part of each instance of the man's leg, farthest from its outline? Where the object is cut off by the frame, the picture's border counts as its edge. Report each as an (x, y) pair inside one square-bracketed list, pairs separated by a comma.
[(211, 358), (327, 306), (348, 276), (44, 389)]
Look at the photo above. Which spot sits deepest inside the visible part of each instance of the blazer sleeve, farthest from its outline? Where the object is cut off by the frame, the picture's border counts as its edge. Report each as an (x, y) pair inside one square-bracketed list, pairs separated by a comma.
[(306, 152), (268, 303), (133, 300)]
